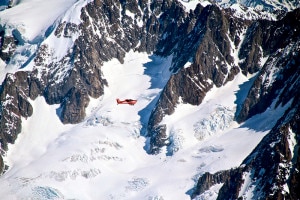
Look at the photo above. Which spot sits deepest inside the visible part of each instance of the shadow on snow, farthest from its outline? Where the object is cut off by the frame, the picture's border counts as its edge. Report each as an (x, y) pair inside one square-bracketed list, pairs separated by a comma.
[(158, 70)]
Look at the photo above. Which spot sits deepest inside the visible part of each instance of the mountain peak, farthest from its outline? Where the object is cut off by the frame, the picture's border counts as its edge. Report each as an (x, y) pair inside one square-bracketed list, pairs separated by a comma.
[(266, 5)]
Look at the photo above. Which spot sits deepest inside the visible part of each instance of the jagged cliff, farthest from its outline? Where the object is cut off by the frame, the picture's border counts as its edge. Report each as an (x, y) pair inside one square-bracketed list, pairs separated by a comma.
[(276, 82), (216, 45), (274, 164)]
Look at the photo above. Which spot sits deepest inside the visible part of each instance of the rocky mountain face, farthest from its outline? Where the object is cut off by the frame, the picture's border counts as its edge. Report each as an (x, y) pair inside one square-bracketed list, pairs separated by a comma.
[(273, 166), (210, 40), (217, 46), (276, 82)]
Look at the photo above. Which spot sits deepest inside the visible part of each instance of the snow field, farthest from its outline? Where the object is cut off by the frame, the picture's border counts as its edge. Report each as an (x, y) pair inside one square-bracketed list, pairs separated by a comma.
[(43, 12), (104, 157)]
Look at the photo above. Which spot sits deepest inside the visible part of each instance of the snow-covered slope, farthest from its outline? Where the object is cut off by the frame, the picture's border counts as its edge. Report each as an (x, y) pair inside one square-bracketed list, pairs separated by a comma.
[(80, 57), (104, 158), (269, 5), (33, 17), (31, 22)]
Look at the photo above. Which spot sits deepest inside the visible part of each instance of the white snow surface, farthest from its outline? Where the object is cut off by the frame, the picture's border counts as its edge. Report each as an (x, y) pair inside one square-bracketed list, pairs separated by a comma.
[(104, 158), (33, 17), (192, 4)]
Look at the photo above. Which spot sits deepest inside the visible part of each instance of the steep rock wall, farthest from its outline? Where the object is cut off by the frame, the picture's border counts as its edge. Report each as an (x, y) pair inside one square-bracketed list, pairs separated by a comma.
[(209, 39), (274, 164)]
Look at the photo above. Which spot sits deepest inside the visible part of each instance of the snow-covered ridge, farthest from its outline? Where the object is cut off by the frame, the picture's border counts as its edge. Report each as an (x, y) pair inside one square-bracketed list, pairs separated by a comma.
[(33, 17), (263, 5), (251, 10), (191, 4), (33, 24), (250, 13)]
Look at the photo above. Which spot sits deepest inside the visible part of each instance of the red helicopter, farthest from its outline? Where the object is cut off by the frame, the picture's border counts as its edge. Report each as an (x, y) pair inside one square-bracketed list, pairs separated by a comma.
[(127, 101)]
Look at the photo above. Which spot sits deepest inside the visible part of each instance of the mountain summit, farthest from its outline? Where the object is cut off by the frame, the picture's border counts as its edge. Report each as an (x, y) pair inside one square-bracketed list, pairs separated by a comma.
[(217, 87), (268, 5)]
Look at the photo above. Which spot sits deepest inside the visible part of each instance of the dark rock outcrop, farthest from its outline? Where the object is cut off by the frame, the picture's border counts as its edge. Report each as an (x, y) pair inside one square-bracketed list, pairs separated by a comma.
[(14, 105), (207, 180), (8, 44)]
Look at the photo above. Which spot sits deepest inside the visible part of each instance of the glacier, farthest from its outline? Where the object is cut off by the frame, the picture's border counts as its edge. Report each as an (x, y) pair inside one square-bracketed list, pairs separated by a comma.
[(105, 156)]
